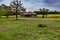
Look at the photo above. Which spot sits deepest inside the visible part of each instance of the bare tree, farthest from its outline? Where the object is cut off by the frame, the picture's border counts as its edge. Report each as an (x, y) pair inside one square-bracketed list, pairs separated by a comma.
[(16, 6), (44, 12)]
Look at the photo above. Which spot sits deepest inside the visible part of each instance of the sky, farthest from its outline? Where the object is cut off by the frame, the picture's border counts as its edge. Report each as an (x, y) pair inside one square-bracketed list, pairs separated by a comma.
[(35, 5)]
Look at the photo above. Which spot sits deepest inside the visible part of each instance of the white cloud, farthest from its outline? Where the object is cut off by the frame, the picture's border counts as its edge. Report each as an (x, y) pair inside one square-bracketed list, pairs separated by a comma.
[(7, 2), (34, 5)]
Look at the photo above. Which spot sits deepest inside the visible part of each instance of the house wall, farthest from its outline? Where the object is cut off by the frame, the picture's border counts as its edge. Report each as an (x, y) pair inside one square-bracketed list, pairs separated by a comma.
[(31, 16)]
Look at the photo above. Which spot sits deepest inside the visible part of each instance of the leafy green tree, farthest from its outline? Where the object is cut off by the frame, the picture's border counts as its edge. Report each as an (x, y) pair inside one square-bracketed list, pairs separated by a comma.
[(16, 6), (5, 10), (0, 11)]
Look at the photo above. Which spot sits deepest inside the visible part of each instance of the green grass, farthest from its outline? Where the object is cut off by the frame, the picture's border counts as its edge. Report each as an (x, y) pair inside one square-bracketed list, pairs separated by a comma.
[(51, 16), (27, 29)]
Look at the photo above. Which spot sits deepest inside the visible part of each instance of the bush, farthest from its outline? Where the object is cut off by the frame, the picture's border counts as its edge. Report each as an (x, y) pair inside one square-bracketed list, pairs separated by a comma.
[(42, 25), (0, 15)]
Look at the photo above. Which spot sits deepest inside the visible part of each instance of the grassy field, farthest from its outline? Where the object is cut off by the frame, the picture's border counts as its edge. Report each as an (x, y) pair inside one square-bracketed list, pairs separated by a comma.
[(27, 29), (51, 15)]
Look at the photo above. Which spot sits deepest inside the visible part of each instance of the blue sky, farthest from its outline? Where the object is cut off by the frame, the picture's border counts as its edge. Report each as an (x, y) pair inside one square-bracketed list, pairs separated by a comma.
[(34, 5)]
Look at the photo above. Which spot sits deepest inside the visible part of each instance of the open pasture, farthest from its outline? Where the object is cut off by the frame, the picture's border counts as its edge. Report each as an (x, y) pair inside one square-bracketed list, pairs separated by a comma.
[(50, 15), (27, 29)]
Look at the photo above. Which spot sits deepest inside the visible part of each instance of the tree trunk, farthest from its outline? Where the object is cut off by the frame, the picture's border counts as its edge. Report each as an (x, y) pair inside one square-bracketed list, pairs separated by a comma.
[(7, 16), (16, 15), (43, 16), (46, 14), (17, 11)]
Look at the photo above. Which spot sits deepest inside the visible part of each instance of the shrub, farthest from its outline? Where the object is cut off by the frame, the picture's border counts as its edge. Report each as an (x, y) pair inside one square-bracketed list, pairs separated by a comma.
[(0, 15), (1, 35), (42, 25)]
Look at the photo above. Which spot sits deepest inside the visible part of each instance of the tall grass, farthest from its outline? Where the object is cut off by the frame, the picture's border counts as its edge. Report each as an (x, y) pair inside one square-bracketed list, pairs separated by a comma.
[(27, 29)]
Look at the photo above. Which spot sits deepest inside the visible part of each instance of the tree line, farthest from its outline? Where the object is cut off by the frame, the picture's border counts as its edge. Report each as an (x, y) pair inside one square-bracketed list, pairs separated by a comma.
[(45, 12), (16, 8)]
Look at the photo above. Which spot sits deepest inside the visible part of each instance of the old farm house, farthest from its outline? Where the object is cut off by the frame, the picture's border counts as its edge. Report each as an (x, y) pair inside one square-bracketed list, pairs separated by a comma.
[(29, 14)]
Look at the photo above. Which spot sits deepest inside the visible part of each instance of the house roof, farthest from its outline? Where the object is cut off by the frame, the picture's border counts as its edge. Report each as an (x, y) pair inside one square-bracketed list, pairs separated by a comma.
[(28, 13)]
